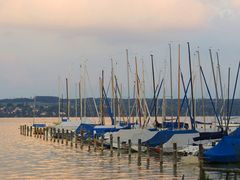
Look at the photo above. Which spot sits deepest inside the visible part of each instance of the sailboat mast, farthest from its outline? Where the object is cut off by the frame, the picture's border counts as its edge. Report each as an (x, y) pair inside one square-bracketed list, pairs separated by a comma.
[(128, 86), (102, 86), (113, 94), (214, 78), (220, 77), (67, 98), (80, 99), (171, 83), (179, 73), (191, 81), (203, 105), (138, 93), (154, 90)]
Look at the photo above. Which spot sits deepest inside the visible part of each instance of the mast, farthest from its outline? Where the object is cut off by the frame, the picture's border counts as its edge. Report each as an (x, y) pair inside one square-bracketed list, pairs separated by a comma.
[(113, 94), (171, 83), (138, 93), (76, 101), (84, 91), (67, 98), (102, 107), (128, 86), (214, 78), (203, 105), (144, 96), (80, 99), (154, 91), (191, 81), (179, 73), (228, 100), (59, 100)]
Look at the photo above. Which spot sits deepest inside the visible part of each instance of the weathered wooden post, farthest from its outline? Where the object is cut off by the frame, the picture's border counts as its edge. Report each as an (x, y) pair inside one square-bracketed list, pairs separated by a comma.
[(47, 129), (71, 138), (148, 156), (51, 134), (27, 130), (54, 134), (40, 133), (111, 144), (200, 155), (62, 137), (174, 154), (118, 146), (37, 132), (139, 151), (129, 150), (76, 138), (161, 153), (44, 133), (102, 139), (30, 131), (89, 141), (67, 137), (58, 135), (82, 138), (95, 142)]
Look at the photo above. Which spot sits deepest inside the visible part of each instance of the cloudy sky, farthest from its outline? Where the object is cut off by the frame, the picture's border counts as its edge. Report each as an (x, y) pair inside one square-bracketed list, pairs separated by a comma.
[(41, 40)]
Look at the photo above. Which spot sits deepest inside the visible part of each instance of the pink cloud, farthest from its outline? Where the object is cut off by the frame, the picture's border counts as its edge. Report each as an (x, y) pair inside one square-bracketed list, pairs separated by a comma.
[(124, 14)]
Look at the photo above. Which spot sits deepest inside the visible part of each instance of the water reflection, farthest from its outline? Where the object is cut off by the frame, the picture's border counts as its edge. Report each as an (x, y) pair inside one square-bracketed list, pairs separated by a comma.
[(31, 157)]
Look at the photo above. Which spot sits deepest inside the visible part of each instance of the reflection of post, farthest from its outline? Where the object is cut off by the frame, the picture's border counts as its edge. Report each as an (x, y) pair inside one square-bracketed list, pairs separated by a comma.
[(62, 136), (175, 159), (161, 154)]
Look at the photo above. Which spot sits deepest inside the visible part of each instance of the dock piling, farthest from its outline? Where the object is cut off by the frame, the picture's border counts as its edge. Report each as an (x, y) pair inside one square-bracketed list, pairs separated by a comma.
[(118, 146), (139, 151)]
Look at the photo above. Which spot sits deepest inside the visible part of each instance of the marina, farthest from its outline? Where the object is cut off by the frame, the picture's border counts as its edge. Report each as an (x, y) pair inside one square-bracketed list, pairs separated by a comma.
[(39, 158)]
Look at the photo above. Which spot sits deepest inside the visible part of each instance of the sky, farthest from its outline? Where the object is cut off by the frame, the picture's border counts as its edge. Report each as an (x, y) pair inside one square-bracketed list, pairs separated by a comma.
[(42, 41)]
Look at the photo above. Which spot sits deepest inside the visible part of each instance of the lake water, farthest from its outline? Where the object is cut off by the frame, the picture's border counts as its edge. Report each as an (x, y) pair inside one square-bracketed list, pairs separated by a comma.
[(25, 157)]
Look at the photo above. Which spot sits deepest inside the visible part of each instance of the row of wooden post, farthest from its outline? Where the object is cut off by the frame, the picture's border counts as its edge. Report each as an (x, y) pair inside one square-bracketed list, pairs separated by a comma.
[(57, 135)]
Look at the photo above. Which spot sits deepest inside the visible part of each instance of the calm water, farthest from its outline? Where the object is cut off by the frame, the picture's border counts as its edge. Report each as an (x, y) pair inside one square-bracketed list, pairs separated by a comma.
[(24, 157)]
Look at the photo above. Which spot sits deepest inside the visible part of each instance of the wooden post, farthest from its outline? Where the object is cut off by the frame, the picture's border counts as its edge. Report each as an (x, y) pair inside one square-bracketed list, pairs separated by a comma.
[(47, 133), (35, 132), (139, 151), (118, 146), (71, 138), (51, 134), (89, 141), (129, 149), (76, 136), (40, 133), (111, 144), (161, 154), (102, 139), (148, 156), (58, 135), (175, 154), (27, 130), (200, 155), (62, 136), (67, 137), (44, 133), (31, 131), (54, 134), (82, 138), (95, 142)]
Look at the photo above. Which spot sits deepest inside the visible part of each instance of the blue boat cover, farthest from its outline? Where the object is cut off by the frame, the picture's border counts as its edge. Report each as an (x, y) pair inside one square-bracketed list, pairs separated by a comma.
[(36, 125), (226, 151)]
